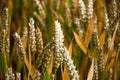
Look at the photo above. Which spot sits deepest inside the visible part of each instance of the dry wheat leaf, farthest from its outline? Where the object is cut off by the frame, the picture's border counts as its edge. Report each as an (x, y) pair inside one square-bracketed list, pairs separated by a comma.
[(91, 71), (100, 14), (65, 75), (108, 55), (50, 66), (89, 32), (102, 38), (30, 69), (114, 35), (29, 63), (110, 65), (80, 43)]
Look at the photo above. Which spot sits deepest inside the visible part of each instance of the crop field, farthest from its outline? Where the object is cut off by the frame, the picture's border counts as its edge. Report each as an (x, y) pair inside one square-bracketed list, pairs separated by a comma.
[(59, 39)]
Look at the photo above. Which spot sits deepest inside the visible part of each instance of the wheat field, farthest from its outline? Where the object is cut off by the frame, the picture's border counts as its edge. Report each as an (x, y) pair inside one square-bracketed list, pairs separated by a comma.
[(59, 39)]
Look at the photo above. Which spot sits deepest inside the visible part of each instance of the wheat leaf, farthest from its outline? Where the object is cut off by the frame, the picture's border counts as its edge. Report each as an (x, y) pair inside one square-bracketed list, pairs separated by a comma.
[(80, 43), (89, 32), (91, 71)]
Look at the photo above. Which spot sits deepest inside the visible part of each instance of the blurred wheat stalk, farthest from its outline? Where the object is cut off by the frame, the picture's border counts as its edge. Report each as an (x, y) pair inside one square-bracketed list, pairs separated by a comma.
[(59, 40)]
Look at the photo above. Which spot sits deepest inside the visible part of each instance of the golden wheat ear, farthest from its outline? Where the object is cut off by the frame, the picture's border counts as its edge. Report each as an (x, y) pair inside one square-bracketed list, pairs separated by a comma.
[(59, 44), (19, 45), (82, 9), (73, 73), (31, 35)]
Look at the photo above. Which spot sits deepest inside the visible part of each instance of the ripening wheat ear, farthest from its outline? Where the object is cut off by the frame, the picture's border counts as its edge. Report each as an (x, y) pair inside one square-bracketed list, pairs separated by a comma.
[(106, 20), (19, 44), (114, 6), (90, 9), (59, 46), (61, 53), (6, 30), (70, 66), (82, 9), (39, 40), (40, 7), (99, 51), (32, 42), (95, 73), (68, 15), (5, 19), (2, 41), (46, 59), (110, 32), (79, 26), (39, 45)]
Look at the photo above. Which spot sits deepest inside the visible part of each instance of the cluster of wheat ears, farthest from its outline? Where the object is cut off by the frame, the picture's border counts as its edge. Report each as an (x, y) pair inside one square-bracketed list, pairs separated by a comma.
[(59, 40)]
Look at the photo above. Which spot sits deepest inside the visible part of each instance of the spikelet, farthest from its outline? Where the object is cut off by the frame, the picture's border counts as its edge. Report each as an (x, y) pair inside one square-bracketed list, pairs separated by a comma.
[(82, 9), (95, 74), (40, 7), (70, 66), (32, 42), (19, 44), (90, 9), (10, 75), (39, 46), (59, 46), (18, 76)]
